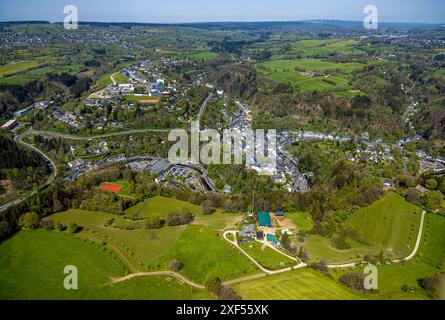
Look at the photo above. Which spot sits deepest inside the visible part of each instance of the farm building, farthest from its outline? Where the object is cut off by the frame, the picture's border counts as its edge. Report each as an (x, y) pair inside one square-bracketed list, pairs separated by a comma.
[(11, 124), (260, 235), (272, 239), (248, 233), (279, 214), (264, 219)]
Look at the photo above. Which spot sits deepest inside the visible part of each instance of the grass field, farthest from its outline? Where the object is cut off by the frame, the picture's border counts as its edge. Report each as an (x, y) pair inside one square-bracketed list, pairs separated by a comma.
[(302, 220), (161, 206), (267, 257), (301, 74), (429, 260), (136, 247), (389, 225), (202, 251), (303, 284), (32, 264), (18, 66)]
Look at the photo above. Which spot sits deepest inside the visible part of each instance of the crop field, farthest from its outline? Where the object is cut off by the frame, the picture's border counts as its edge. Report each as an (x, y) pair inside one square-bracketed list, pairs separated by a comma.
[(389, 225), (267, 257), (202, 251), (326, 47), (303, 284), (16, 67)]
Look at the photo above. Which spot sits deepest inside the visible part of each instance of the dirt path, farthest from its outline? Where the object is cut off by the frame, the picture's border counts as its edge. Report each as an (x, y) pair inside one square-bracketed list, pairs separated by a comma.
[(175, 275)]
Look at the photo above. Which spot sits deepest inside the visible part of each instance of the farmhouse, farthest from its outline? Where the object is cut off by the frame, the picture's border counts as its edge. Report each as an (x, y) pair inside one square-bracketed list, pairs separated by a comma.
[(248, 233), (11, 124), (264, 219)]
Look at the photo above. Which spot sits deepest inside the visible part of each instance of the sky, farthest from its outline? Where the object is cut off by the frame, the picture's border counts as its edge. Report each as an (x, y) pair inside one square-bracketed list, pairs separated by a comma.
[(169, 11)]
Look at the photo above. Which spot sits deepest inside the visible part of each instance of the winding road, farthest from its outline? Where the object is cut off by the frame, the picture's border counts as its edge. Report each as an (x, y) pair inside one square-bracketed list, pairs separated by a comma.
[(51, 178)]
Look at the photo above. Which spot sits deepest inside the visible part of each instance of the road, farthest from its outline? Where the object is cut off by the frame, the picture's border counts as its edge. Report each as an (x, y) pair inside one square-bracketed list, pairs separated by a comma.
[(266, 271), (203, 107), (51, 178), (80, 138)]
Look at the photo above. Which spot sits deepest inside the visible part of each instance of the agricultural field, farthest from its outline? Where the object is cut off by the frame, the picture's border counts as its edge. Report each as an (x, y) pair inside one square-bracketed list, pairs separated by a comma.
[(310, 74), (389, 226), (303, 284), (266, 256)]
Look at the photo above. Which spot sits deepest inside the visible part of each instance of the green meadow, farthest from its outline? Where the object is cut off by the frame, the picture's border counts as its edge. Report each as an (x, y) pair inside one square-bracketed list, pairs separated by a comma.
[(32, 265), (389, 226), (303, 284), (267, 257), (202, 251), (310, 74)]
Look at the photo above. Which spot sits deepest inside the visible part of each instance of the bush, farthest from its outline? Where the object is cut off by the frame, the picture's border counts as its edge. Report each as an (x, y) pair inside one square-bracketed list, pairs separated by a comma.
[(59, 226), (212, 283), (177, 219), (47, 224), (227, 293), (29, 221), (72, 227), (175, 265), (431, 184), (154, 223)]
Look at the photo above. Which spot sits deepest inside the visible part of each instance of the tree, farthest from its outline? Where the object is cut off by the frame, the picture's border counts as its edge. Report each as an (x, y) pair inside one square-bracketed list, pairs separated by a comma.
[(431, 184), (29, 220), (212, 283), (175, 265), (354, 281)]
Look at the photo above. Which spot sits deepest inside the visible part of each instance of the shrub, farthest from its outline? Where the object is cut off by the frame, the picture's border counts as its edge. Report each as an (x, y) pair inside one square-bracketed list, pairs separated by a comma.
[(72, 227), (175, 265), (212, 283), (227, 293), (29, 220)]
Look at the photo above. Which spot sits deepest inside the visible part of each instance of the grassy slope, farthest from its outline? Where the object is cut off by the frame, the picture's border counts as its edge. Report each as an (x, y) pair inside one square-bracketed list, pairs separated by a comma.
[(388, 225), (303, 284), (32, 263), (161, 206), (391, 223), (303, 220), (202, 250)]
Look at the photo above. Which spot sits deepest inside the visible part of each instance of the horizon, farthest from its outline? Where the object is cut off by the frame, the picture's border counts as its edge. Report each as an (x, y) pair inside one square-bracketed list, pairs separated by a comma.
[(200, 11)]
